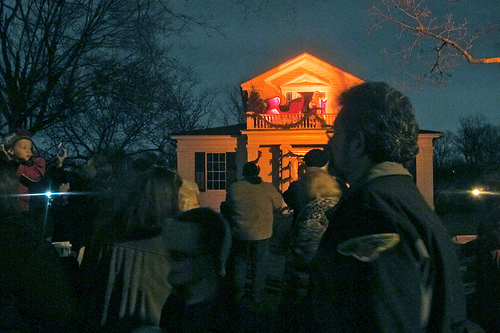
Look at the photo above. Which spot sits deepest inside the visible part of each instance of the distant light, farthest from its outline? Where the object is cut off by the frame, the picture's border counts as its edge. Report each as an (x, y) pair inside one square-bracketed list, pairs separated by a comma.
[(476, 192), (48, 194)]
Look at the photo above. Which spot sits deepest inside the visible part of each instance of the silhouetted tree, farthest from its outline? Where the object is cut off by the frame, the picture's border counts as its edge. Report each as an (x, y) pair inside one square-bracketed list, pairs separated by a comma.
[(51, 51), (462, 156), (463, 159), (435, 39), (446, 160), (233, 106), (255, 103), (134, 113), (477, 141)]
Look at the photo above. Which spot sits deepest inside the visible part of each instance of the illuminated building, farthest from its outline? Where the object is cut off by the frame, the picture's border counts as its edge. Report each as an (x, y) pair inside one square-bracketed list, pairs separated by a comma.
[(278, 138)]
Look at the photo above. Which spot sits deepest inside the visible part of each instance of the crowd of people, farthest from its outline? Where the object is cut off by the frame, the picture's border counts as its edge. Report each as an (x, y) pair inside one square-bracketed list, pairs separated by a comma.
[(366, 253)]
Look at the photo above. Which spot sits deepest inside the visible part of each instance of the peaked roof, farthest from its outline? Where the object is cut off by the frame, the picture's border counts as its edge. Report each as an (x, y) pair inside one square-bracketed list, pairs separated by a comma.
[(317, 72)]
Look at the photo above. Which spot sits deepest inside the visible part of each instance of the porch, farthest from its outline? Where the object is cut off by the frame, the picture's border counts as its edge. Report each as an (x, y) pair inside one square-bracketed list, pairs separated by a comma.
[(298, 121)]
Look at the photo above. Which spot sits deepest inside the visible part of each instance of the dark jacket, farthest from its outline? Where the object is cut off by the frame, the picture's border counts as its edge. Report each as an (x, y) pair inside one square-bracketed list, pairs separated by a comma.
[(29, 172), (387, 286), (487, 296), (35, 293), (217, 315), (295, 197)]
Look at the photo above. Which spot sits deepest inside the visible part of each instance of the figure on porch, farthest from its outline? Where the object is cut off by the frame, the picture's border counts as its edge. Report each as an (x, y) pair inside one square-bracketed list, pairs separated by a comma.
[(318, 102)]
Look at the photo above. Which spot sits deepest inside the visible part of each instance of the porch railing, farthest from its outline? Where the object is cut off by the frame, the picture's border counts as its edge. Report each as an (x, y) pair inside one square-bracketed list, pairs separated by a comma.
[(289, 121)]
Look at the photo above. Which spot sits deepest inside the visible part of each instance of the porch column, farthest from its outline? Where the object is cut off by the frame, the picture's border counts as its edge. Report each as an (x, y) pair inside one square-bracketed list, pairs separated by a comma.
[(288, 171), (425, 167)]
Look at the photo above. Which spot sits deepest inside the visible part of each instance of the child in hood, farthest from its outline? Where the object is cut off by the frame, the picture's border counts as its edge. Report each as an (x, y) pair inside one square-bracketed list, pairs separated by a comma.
[(18, 148)]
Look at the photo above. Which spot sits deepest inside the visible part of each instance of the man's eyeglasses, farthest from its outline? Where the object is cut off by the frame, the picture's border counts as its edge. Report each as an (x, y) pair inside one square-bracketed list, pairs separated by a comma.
[(331, 132)]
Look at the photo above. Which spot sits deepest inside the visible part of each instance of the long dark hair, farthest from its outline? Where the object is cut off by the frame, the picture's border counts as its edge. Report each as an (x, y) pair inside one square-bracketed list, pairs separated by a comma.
[(215, 233), (153, 199)]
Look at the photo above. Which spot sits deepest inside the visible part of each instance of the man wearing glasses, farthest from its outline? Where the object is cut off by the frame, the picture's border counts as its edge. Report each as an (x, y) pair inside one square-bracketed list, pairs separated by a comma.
[(385, 263)]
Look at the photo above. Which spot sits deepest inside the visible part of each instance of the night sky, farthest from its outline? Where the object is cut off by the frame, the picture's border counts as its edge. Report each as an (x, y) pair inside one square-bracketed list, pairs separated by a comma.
[(251, 42)]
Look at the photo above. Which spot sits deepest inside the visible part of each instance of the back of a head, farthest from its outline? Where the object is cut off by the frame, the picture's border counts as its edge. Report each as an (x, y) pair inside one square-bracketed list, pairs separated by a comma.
[(142, 164), (317, 158), (154, 198), (250, 169), (320, 184), (251, 173), (215, 233), (385, 118)]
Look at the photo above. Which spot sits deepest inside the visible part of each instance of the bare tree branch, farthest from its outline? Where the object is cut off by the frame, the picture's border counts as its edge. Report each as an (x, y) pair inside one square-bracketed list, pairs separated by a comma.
[(48, 49), (451, 39)]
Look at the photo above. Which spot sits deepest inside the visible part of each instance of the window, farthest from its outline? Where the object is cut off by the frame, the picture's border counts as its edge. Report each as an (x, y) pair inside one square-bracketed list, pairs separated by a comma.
[(289, 95), (215, 171)]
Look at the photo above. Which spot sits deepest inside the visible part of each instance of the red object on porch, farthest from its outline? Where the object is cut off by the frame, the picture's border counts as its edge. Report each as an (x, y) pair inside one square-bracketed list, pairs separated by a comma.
[(295, 105), (274, 104)]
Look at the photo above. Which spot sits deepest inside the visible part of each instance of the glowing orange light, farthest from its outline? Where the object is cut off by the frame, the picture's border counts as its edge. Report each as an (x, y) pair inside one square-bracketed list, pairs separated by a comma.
[(476, 192)]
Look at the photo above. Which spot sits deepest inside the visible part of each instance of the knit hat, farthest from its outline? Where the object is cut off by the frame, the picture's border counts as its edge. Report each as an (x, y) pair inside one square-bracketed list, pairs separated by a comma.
[(316, 158), (13, 136), (250, 169)]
